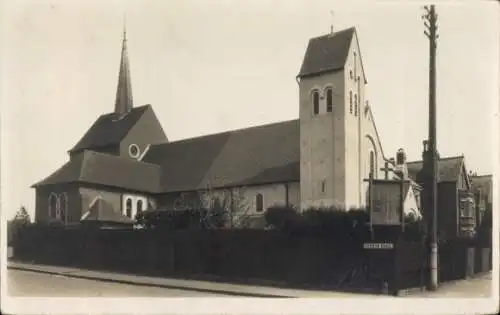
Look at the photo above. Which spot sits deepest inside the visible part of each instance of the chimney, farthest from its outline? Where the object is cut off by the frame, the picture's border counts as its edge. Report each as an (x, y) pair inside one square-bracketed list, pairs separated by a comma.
[(401, 157), (401, 164)]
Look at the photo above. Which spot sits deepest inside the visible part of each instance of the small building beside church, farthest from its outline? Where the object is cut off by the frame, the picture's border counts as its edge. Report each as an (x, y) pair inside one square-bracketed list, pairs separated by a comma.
[(320, 159), (482, 185), (456, 207)]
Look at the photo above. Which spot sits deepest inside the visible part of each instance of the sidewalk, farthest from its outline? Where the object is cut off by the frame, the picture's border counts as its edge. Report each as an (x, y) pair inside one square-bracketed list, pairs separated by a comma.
[(193, 285), (478, 287)]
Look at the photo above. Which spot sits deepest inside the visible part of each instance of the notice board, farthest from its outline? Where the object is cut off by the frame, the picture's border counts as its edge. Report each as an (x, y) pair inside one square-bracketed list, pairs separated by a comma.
[(386, 203)]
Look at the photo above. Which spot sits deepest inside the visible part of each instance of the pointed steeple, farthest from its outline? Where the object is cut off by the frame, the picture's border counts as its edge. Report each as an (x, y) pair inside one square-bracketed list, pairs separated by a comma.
[(124, 101)]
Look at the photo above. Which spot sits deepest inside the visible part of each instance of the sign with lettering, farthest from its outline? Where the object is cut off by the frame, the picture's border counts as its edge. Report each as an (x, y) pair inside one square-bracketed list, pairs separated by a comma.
[(386, 202), (378, 245)]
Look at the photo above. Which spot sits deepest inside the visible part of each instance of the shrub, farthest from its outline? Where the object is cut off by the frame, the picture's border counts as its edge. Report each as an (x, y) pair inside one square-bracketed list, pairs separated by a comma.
[(19, 222), (281, 217), (169, 219), (217, 216), (322, 221), (335, 221)]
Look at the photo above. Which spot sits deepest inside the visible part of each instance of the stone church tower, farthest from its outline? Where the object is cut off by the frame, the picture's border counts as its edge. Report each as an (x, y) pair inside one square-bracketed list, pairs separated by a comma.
[(338, 142)]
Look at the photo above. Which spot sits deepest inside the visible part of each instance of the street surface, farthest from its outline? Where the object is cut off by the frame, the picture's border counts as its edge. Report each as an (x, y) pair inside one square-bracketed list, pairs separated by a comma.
[(22, 283)]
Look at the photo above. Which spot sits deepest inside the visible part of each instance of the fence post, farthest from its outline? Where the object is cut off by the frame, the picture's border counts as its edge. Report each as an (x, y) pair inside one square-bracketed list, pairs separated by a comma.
[(396, 272), (402, 203), (423, 264), (370, 206)]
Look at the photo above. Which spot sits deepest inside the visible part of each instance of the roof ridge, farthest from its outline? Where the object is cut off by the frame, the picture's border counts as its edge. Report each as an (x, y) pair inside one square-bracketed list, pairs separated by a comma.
[(440, 159), (453, 157), (141, 107), (351, 28), (376, 131), (226, 132)]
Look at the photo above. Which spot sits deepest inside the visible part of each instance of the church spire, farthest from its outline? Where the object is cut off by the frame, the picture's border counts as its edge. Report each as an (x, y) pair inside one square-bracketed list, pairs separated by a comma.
[(124, 101)]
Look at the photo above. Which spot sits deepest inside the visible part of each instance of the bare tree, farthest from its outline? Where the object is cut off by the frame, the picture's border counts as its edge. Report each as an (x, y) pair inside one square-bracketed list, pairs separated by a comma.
[(227, 205), (22, 216), (20, 220), (240, 210)]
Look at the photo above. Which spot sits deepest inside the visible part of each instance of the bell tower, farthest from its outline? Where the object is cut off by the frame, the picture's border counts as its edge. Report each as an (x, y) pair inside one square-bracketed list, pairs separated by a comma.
[(331, 91)]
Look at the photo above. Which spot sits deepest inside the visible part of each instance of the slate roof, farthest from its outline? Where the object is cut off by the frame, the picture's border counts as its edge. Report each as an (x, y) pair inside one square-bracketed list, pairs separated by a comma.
[(327, 53), (108, 170), (449, 169), (102, 211), (109, 130), (485, 183), (256, 155)]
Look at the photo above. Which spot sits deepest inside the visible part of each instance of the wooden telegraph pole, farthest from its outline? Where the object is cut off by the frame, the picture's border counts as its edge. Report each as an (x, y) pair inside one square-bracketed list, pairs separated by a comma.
[(430, 18)]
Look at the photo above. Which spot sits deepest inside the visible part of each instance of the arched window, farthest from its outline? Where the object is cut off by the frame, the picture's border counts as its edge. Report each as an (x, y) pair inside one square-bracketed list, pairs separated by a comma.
[(372, 164), (350, 102), (329, 100), (128, 208), (259, 203), (63, 205), (355, 104), (139, 206), (315, 100), (53, 205)]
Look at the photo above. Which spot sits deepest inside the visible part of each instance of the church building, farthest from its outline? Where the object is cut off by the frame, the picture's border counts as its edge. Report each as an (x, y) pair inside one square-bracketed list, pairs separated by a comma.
[(125, 163)]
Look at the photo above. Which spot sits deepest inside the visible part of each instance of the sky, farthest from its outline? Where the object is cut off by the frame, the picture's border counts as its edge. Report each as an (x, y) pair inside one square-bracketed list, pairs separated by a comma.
[(212, 66)]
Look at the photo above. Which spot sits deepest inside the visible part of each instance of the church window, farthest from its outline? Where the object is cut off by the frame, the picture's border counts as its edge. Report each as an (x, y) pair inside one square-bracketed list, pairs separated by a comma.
[(372, 163), (133, 150), (128, 208), (350, 102), (350, 74), (63, 205), (53, 205), (329, 100), (323, 186), (259, 203), (139, 206), (355, 104), (315, 99)]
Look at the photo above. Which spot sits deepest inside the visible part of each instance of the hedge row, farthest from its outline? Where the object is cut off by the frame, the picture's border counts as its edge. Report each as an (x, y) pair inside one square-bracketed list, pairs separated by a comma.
[(333, 221)]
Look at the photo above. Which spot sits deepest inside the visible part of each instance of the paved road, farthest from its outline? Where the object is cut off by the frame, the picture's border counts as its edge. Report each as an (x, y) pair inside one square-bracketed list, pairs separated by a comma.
[(35, 284)]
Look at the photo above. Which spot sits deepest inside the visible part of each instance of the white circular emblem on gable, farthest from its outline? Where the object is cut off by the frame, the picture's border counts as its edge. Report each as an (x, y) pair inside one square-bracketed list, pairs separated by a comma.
[(133, 150)]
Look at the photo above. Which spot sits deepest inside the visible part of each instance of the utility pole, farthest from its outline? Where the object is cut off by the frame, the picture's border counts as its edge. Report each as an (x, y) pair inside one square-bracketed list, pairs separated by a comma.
[(430, 18)]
